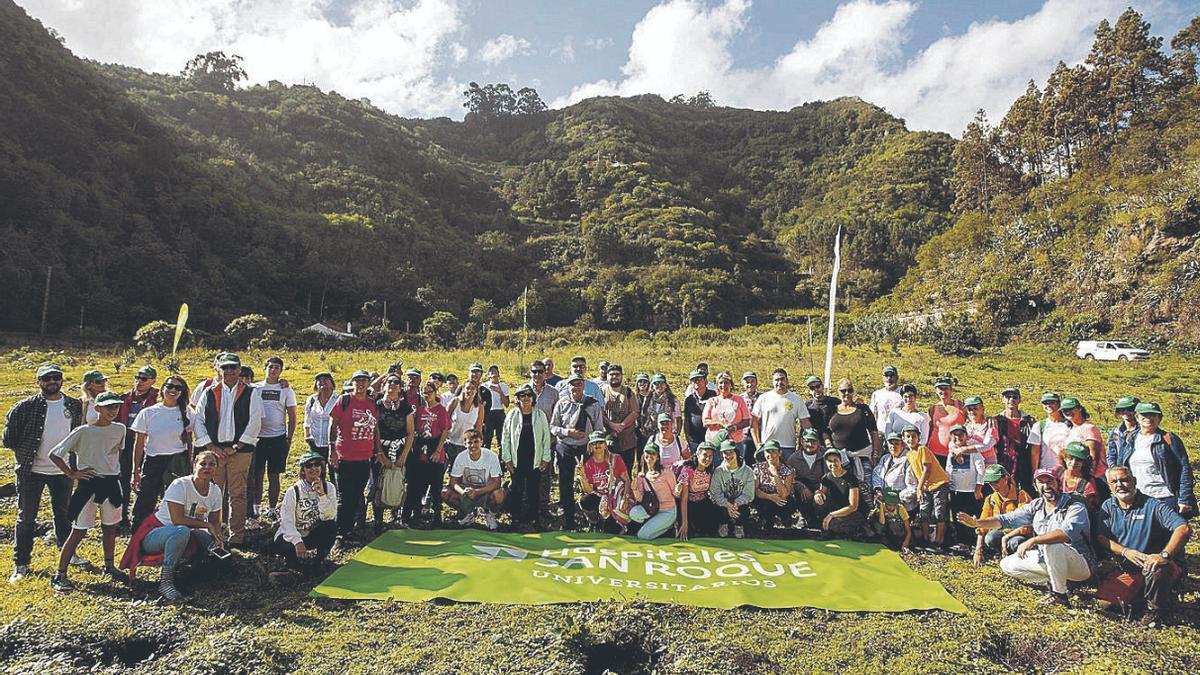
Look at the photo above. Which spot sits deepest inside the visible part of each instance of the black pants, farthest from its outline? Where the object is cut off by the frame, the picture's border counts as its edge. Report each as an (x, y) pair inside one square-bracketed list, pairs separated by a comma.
[(544, 496), (352, 483), (493, 427), (126, 461), (154, 470), (568, 459), (320, 539), (423, 475), (963, 502), (590, 505), (29, 500), (525, 494), (772, 513), (748, 450), (703, 517), (743, 515)]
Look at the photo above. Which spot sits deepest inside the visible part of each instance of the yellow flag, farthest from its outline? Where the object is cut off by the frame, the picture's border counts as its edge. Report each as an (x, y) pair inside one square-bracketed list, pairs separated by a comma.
[(179, 324)]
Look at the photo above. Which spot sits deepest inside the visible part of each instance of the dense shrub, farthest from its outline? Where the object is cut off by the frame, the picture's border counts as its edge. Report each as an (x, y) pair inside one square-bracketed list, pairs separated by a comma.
[(375, 337), (157, 337), (441, 329), (242, 330)]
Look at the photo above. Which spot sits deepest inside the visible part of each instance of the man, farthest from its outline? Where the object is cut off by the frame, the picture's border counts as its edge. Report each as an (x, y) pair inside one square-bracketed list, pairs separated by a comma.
[(274, 438), (1059, 551), (475, 482), (777, 414), (525, 451), (602, 379), (1049, 437), (887, 399), (34, 427), (1004, 498), (451, 390), (693, 410), (1013, 451), (1158, 461), (620, 413), (545, 397), (809, 468), (749, 395), (821, 408), (141, 396), (579, 367), (552, 378), (1147, 538), (412, 386), (576, 415), (702, 367), (227, 422), (1125, 410)]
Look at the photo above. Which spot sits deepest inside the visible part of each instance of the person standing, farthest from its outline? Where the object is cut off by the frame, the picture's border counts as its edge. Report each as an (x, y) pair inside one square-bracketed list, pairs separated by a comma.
[(426, 468), (1086, 432), (777, 414), (820, 406), (525, 451), (274, 439), (981, 430), (493, 422), (32, 428), (552, 378), (620, 413), (908, 413), (354, 434), (886, 399), (316, 418), (1126, 411), (1013, 450), (661, 401), (163, 446), (727, 413), (466, 411), (853, 430), (590, 388), (749, 396), (227, 423), (94, 384), (1051, 435), (576, 416), (946, 413), (1158, 461), (545, 397), (141, 396), (693, 410), (396, 420), (475, 374)]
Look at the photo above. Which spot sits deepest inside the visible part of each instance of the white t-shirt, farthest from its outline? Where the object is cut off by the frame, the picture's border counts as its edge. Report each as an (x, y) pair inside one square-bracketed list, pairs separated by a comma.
[(163, 428), (461, 421), (275, 403), (964, 477), (476, 473), (1143, 468), (883, 402), (446, 398), (779, 415), (90, 414), (1053, 437), (95, 448), (58, 425), (901, 418), (195, 505), (497, 390)]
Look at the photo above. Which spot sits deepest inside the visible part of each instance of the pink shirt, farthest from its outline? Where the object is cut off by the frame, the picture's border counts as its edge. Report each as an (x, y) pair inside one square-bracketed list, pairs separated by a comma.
[(1090, 432), (941, 418), (730, 410), (664, 489)]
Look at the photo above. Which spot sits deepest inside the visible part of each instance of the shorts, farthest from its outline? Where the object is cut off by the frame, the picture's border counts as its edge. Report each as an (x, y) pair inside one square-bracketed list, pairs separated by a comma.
[(109, 515), (271, 453), (935, 507)]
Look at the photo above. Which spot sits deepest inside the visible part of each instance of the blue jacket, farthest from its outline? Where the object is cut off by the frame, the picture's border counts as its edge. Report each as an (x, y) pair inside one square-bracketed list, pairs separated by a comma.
[(1170, 458)]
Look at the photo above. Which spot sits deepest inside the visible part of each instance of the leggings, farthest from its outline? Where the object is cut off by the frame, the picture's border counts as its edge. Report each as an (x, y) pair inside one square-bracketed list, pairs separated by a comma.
[(703, 517), (421, 476), (319, 538), (493, 427), (352, 482)]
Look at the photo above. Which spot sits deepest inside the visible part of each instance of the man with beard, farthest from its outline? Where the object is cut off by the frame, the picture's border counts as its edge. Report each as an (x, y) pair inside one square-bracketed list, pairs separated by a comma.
[(821, 408), (1059, 551)]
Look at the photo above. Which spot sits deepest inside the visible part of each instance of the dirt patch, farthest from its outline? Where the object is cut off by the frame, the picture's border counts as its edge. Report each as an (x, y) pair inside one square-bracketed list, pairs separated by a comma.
[(627, 657), (1026, 655), (21, 643)]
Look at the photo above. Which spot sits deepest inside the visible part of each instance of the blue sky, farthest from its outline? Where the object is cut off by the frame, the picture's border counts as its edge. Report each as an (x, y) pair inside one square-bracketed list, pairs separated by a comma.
[(932, 62)]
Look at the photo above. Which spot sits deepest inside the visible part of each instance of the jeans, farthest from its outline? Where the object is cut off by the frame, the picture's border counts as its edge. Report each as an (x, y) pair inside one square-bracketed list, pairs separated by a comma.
[(525, 493), (652, 526), (172, 540), (1055, 563), (423, 476), (493, 428), (352, 482), (29, 499), (992, 540)]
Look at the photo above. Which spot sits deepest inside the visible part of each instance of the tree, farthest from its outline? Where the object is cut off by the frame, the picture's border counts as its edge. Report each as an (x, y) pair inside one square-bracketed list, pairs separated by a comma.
[(441, 329), (979, 175), (215, 72), (528, 101), (491, 101), (1021, 141), (702, 99)]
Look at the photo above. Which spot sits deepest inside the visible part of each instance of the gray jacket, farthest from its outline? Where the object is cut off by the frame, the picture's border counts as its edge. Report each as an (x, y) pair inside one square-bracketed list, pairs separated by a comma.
[(571, 415)]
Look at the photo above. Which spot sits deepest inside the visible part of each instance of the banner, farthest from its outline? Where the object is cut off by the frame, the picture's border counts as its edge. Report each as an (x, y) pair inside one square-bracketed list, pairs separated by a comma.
[(179, 324), (535, 569)]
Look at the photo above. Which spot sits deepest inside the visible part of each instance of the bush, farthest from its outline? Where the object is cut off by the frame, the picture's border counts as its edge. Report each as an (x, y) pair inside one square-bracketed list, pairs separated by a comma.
[(441, 330), (375, 337), (956, 335), (157, 337), (245, 328), (639, 335)]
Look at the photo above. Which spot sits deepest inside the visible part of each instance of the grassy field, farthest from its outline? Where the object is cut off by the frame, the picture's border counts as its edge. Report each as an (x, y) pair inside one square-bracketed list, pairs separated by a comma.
[(233, 622)]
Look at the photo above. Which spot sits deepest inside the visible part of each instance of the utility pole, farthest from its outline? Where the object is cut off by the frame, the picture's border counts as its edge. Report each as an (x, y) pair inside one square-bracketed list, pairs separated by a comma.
[(384, 322), (46, 300)]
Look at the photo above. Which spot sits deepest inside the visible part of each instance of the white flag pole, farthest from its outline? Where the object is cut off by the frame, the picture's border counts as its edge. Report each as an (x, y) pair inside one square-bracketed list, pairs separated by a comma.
[(837, 264)]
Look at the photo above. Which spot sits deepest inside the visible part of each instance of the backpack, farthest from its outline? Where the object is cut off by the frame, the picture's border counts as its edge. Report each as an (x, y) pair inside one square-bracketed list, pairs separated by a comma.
[(649, 500), (393, 487)]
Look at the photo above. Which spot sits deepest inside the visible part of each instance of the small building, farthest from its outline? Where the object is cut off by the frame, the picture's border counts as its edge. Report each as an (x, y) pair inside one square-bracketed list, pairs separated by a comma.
[(329, 330)]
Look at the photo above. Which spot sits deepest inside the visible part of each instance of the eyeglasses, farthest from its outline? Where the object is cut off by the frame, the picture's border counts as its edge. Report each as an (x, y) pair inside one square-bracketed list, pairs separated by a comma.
[(51, 378), (142, 378), (578, 366), (172, 387), (311, 465)]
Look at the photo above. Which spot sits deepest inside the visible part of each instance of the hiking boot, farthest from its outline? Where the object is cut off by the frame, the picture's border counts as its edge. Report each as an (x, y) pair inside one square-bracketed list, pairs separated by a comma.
[(490, 521), (166, 587), (467, 519), (723, 530), (1052, 598), (739, 531), (338, 543), (61, 583), (1152, 619), (116, 574), (19, 572)]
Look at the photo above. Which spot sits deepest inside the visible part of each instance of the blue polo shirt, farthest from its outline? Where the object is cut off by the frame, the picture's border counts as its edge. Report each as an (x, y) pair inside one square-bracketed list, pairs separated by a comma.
[(1146, 526)]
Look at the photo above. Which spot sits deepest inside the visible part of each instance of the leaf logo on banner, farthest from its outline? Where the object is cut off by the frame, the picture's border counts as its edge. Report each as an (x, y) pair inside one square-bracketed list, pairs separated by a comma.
[(179, 324)]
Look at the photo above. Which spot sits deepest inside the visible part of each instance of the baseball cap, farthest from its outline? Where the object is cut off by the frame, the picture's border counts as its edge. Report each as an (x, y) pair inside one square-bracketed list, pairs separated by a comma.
[(147, 371), (475, 366), (360, 373), (994, 473), (94, 376), (726, 446), (48, 368), (652, 448), (524, 390), (227, 359), (574, 378), (958, 427), (832, 451), (697, 373), (1069, 403), (973, 400), (1046, 473), (663, 417), (597, 437), (1050, 396), (308, 457), (413, 371), (1148, 408), (811, 435), (748, 374), (658, 378), (1011, 390), (642, 377), (812, 379), (771, 445), (1127, 402), (891, 370), (910, 427), (894, 437), (890, 496), (1077, 450), (108, 398)]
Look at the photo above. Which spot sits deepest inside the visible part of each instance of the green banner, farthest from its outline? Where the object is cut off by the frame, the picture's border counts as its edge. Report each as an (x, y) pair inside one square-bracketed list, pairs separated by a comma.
[(535, 569)]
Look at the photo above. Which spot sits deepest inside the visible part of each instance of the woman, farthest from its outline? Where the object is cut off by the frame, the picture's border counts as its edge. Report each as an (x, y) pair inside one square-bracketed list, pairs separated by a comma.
[(662, 401), (726, 413), (773, 488), (853, 430), (642, 394), (162, 448), (1077, 477), (839, 496), (602, 480), (732, 490), (426, 466), (943, 415), (187, 525), (1158, 461), (698, 515), (316, 417), (307, 516), (671, 446), (465, 412), (907, 414), (493, 418), (981, 430), (1084, 431), (653, 478), (354, 434), (893, 471), (94, 384), (525, 452), (395, 421)]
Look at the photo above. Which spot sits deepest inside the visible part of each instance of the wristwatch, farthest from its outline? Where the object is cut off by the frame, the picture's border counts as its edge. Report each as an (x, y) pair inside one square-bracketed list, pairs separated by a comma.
[(1165, 555)]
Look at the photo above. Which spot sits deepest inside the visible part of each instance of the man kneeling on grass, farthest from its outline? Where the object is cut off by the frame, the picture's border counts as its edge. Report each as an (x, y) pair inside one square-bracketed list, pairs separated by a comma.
[(1059, 550), (475, 482), (1147, 537)]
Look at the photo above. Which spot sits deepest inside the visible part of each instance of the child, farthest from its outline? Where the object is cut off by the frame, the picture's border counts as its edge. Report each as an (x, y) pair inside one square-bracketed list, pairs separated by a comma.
[(97, 450), (933, 489), (889, 519), (965, 468)]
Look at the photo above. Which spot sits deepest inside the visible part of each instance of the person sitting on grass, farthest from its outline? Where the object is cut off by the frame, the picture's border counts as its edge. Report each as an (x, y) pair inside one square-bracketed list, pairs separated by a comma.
[(933, 489), (889, 519), (653, 478), (808, 468), (1005, 497), (1147, 538), (773, 482), (307, 516), (1059, 551), (475, 482), (732, 489), (1076, 473), (839, 496), (602, 479), (698, 514), (97, 449)]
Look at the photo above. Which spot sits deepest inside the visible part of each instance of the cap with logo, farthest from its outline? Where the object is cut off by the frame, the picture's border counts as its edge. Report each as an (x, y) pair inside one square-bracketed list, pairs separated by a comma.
[(958, 427), (890, 370), (475, 366), (108, 398), (94, 376), (227, 359), (890, 496), (697, 374), (525, 390), (1148, 408), (1050, 396), (994, 473), (412, 371), (749, 374), (1069, 403), (1011, 390), (663, 417), (972, 400), (658, 378), (574, 378), (48, 368), (147, 371), (642, 377), (812, 379), (1077, 450), (1046, 473), (310, 456), (771, 446), (597, 437), (811, 435), (1127, 402), (894, 438), (360, 374)]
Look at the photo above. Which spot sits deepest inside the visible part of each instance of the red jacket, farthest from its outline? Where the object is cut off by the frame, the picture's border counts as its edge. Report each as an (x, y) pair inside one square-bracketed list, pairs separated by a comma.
[(134, 555)]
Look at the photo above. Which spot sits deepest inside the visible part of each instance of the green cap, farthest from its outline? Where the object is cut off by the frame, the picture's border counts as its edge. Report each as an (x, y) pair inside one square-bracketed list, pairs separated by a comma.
[(658, 378), (574, 378), (1148, 408), (48, 368), (1077, 450), (894, 437), (1050, 396), (973, 400), (579, 357), (308, 457), (890, 370), (749, 374), (642, 377), (994, 473), (148, 371), (227, 359), (726, 446), (652, 448), (771, 446), (603, 363), (812, 379), (697, 373), (705, 445), (1011, 390), (108, 398), (910, 427), (598, 437), (525, 390), (890, 496), (832, 451), (943, 382), (323, 373), (94, 376), (811, 435), (1127, 402), (413, 371), (1069, 403), (435, 375), (664, 417), (360, 373), (958, 427), (475, 366)]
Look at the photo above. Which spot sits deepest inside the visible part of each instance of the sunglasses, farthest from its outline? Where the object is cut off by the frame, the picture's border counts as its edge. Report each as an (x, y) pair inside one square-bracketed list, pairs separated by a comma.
[(846, 391), (311, 465), (51, 378), (537, 372), (143, 378), (172, 387)]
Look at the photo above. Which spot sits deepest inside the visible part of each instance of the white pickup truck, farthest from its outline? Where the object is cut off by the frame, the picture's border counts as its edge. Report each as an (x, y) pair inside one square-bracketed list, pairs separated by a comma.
[(1110, 350)]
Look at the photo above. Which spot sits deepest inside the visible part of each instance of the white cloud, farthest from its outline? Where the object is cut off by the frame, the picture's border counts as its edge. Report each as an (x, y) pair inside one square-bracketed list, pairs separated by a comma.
[(684, 46), (503, 47), (382, 50), (598, 43), (565, 51)]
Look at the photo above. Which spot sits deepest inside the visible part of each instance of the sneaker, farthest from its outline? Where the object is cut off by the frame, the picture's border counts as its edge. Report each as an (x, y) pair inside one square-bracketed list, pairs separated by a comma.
[(801, 523), (78, 561), (61, 583), (722, 530), (166, 588), (739, 531), (467, 519), (338, 543), (1152, 618), (1052, 598), (116, 575), (490, 521), (19, 572)]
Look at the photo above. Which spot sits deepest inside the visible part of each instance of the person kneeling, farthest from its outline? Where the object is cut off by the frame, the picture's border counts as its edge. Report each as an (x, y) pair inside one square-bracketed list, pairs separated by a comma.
[(475, 482), (654, 490), (890, 520), (1004, 498), (307, 516), (1147, 537), (839, 496), (773, 485), (1059, 550)]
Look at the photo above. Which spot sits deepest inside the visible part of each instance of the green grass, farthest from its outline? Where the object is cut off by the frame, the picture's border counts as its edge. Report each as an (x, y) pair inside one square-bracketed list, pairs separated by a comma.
[(236, 623)]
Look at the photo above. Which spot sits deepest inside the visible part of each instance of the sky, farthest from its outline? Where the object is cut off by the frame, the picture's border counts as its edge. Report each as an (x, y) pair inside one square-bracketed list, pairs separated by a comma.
[(931, 62)]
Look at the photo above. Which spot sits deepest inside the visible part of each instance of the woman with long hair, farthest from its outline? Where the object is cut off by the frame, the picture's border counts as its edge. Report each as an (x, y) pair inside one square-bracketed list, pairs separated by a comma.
[(316, 418), (1084, 431), (947, 412), (162, 449), (426, 466), (653, 478), (94, 384), (603, 478), (1076, 474), (698, 515), (466, 411), (396, 419), (981, 430), (660, 401)]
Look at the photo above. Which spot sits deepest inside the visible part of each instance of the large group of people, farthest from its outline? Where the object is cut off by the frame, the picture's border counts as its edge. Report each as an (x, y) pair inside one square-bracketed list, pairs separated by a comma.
[(1050, 495)]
